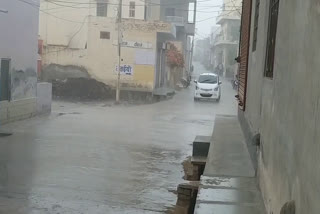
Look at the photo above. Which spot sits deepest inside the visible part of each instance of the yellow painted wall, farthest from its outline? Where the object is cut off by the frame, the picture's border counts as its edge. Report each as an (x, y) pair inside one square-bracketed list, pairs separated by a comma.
[(144, 73), (101, 56)]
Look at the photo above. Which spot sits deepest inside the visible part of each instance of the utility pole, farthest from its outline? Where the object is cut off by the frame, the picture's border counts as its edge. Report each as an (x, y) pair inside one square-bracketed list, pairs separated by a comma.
[(119, 50)]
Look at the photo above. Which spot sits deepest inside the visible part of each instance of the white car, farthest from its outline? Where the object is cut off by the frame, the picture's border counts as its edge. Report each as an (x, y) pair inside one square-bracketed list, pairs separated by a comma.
[(208, 86)]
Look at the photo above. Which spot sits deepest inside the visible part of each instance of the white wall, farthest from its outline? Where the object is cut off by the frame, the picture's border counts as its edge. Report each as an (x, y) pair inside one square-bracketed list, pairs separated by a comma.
[(19, 42), (66, 24)]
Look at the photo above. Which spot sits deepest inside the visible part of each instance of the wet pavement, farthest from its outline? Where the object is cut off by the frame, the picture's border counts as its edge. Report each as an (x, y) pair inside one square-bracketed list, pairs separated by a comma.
[(228, 184), (97, 158)]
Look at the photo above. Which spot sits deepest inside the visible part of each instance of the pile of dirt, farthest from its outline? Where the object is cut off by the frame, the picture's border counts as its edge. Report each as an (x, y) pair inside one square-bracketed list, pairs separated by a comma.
[(81, 89), (53, 72)]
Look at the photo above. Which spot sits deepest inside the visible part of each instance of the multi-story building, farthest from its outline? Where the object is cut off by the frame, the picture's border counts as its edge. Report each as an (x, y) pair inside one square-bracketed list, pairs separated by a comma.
[(202, 52), (227, 41), (18, 59), (181, 13), (87, 36), (215, 30)]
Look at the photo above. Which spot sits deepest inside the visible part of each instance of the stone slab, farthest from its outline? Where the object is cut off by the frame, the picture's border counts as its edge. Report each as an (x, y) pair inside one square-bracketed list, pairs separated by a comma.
[(199, 160), (227, 209), (229, 182), (228, 185), (228, 196), (202, 139), (228, 153)]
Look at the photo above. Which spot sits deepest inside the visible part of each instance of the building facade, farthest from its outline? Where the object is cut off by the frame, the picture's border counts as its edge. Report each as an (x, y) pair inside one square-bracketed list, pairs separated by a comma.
[(226, 43), (202, 52), (18, 55), (279, 100), (87, 37), (181, 14)]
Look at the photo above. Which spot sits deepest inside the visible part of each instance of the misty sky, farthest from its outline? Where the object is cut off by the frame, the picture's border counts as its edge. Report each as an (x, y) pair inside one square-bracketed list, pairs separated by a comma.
[(206, 9)]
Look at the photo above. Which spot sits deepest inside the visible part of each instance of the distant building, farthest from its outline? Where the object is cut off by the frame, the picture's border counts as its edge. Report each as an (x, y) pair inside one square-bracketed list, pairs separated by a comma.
[(182, 14), (279, 96), (202, 51), (215, 30), (225, 46), (18, 55), (88, 37)]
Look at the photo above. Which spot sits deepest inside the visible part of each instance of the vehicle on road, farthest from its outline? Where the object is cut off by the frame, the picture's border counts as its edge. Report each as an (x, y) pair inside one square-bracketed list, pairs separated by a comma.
[(208, 86)]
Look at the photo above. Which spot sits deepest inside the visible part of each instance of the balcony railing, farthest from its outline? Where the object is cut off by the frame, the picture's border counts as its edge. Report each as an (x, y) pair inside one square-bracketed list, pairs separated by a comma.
[(175, 20), (227, 16)]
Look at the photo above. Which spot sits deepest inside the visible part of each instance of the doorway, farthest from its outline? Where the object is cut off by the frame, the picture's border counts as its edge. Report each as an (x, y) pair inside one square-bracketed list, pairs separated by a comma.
[(5, 79)]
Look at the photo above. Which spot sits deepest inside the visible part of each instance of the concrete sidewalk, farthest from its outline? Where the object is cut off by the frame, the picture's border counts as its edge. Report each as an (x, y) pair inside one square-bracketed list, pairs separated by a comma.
[(228, 185)]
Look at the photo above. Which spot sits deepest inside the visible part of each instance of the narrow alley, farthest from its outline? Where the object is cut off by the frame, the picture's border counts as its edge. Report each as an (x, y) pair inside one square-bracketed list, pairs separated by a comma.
[(96, 158)]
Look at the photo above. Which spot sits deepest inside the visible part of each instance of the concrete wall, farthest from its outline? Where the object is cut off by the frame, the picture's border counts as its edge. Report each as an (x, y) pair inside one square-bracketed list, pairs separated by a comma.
[(153, 10), (181, 9), (66, 24), (285, 109), (44, 98), (103, 66), (17, 110), (228, 38), (19, 42), (100, 58)]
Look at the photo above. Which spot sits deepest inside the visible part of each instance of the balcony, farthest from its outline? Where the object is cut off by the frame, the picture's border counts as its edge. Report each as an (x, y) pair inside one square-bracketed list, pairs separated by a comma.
[(226, 16), (177, 20), (181, 22), (220, 40)]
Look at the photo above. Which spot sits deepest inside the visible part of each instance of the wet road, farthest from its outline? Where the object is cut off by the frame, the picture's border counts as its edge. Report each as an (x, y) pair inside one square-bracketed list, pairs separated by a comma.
[(95, 158)]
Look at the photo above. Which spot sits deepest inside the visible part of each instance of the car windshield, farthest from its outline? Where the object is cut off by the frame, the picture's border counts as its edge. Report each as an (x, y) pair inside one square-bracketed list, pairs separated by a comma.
[(208, 79)]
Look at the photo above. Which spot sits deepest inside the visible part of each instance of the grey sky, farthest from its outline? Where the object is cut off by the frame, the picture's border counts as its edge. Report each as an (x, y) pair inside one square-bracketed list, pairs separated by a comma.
[(207, 11)]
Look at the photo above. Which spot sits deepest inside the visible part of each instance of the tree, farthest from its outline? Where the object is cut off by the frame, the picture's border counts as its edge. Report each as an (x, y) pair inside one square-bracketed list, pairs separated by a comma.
[(175, 57)]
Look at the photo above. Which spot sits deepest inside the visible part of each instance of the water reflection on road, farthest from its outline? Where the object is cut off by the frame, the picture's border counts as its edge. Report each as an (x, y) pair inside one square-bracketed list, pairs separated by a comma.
[(95, 158)]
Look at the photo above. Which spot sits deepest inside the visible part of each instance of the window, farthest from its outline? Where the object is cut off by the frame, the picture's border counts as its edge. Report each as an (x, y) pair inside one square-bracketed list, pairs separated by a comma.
[(191, 12), (5, 79), (104, 35), (170, 12), (255, 27), (132, 9), (102, 8), (210, 79), (271, 41)]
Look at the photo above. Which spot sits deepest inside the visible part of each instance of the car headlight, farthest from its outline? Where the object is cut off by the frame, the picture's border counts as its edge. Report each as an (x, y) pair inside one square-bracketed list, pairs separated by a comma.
[(216, 89)]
